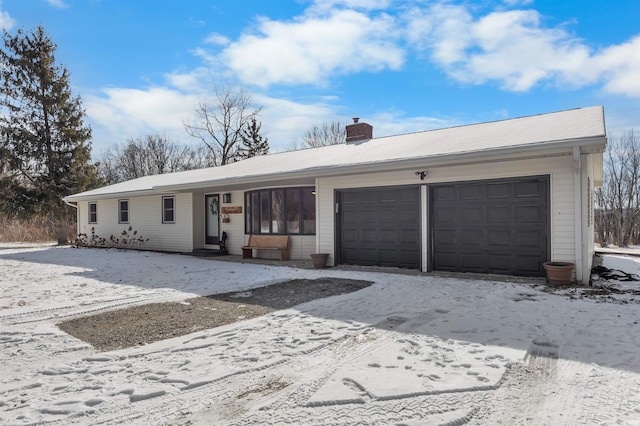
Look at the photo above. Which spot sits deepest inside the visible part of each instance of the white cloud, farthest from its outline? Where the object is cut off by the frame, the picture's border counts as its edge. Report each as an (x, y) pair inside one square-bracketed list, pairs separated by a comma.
[(118, 114), (508, 47), (285, 121), (58, 4), (514, 49), (217, 39), (312, 48), (6, 21), (191, 81), (123, 113), (621, 67)]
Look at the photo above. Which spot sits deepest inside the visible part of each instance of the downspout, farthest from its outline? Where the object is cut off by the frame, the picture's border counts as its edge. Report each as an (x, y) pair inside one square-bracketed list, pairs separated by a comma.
[(577, 210)]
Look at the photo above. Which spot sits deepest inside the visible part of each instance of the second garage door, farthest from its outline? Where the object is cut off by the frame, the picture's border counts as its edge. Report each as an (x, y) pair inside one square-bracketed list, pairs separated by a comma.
[(493, 226), (379, 227)]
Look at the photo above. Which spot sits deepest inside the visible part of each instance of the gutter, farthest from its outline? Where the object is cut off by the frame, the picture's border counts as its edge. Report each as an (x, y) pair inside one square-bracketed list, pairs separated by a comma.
[(70, 203), (554, 148), (557, 148)]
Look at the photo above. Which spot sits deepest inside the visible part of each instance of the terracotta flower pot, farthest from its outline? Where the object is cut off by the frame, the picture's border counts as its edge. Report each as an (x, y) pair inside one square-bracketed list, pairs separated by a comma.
[(559, 273), (319, 259)]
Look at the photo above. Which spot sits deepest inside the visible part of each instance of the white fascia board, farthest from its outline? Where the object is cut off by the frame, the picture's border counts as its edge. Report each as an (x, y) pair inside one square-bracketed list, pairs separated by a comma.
[(533, 150), (119, 194), (587, 145)]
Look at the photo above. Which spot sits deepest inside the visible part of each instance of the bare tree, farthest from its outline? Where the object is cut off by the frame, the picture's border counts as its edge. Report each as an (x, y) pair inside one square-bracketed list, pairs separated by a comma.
[(325, 134), (151, 155), (618, 210), (219, 124)]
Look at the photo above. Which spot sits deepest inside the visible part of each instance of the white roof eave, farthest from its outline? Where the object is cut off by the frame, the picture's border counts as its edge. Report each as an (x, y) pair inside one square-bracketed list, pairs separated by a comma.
[(595, 144), (509, 139)]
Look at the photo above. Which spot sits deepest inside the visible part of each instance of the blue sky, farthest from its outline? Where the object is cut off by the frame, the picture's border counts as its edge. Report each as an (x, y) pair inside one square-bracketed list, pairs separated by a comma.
[(142, 67)]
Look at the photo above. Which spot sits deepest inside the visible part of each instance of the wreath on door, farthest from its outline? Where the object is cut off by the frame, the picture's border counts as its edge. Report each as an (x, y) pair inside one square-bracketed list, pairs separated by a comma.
[(213, 206)]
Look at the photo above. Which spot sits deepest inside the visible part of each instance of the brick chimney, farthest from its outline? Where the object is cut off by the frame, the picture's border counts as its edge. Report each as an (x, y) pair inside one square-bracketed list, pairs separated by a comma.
[(359, 131)]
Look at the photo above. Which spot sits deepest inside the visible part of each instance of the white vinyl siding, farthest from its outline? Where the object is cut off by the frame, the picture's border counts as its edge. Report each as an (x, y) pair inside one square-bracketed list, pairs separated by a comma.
[(560, 168), (147, 220)]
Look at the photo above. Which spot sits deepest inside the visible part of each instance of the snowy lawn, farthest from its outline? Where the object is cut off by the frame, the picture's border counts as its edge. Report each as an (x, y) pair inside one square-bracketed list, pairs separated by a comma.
[(408, 350)]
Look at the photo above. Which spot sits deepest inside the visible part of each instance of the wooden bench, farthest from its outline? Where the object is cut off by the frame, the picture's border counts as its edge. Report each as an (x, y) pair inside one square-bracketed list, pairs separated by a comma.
[(267, 242)]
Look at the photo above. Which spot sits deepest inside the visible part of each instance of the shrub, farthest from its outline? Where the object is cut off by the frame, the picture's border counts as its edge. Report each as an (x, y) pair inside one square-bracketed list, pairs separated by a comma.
[(128, 238)]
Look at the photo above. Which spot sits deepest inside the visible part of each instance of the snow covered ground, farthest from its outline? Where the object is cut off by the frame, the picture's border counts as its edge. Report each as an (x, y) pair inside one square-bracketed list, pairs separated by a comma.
[(408, 350)]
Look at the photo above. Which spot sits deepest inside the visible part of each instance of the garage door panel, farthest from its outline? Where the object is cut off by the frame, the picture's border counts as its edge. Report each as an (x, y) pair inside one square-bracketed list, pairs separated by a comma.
[(407, 217), (498, 214), (472, 262), (445, 237), (369, 235), (498, 237), (472, 214), (446, 214), (447, 261), (529, 214), (529, 238), (528, 189), (445, 193), (527, 263), (509, 232), (471, 192), (406, 195), (500, 263), (497, 190), (471, 237), (350, 236), (388, 236), (386, 229), (409, 236)]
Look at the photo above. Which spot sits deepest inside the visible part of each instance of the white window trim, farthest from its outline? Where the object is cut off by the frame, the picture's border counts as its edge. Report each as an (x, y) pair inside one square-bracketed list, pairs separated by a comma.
[(120, 211), (89, 213), (173, 209)]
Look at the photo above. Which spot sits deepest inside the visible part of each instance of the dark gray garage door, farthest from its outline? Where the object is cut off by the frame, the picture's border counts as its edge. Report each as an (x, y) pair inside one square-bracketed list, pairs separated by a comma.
[(494, 226), (379, 227)]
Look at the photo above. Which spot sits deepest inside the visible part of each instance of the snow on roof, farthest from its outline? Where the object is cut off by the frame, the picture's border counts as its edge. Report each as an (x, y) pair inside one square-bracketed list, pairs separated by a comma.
[(543, 131)]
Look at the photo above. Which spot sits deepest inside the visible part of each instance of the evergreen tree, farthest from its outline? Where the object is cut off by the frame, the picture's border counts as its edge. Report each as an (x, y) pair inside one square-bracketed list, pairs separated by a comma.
[(253, 143), (44, 145)]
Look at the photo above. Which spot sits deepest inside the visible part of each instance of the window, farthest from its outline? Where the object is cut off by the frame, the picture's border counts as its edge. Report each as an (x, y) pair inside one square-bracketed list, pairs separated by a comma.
[(123, 211), (292, 210), (280, 211), (308, 211), (93, 212), (168, 210)]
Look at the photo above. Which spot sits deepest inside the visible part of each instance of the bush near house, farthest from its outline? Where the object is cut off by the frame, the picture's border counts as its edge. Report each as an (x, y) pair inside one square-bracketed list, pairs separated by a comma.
[(128, 238)]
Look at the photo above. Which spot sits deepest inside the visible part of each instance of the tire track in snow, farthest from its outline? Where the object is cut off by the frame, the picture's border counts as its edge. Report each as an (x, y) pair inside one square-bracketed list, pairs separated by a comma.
[(61, 312)]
